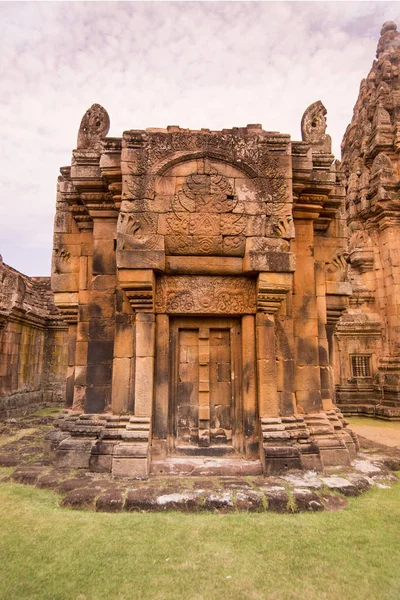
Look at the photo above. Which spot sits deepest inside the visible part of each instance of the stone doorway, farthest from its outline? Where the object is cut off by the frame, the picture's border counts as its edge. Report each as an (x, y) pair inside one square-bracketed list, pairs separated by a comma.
[(205, 414)]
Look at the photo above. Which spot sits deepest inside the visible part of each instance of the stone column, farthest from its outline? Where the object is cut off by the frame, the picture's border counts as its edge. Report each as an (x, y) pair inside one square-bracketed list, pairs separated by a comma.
[(388, 296), (101, 310), (144, 368), (325, 368), (131, 456), (249, 389), (69, 392), (82, 334), (266, 366), (161, 384), (309, 317), (305, 319), (279, 427), (124, 357), (273, 386)]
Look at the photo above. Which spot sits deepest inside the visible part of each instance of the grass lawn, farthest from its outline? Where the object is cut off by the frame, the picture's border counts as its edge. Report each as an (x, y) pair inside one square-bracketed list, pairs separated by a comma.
[(51, 553)]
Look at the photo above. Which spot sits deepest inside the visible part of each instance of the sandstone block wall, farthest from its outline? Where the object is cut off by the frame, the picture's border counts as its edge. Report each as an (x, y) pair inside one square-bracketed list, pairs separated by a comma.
[(33, 341)]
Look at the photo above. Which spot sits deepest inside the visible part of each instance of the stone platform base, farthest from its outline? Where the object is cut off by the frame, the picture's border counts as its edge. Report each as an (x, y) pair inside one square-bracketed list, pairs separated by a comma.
[(121, 445), (387, 413), (297, 491), (313, 441), (293, 491)]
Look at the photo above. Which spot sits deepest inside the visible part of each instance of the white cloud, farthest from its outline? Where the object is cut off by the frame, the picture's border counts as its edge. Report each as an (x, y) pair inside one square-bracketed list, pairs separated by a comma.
[(192, 64)]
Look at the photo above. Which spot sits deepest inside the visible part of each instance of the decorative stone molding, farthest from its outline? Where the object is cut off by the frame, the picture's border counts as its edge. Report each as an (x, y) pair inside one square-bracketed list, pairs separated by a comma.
[(357, 323), (139, 286), (271, 291)]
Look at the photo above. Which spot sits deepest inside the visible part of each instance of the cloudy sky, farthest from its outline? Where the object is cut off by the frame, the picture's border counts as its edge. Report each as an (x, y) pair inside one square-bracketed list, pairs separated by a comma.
[(153, 64)]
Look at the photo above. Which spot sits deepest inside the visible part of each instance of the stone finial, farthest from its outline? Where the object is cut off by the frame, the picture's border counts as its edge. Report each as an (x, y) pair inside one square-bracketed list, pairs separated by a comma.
[(389, 37), (313, 126), (93, 128), (388, 26)]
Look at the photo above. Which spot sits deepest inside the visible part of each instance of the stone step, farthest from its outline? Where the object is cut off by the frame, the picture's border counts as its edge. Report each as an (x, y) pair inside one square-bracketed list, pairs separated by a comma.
[(213, 450), (196, 466)]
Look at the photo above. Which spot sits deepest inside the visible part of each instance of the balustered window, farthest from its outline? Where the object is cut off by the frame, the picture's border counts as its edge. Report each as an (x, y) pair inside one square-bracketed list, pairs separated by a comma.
[(361, 365)]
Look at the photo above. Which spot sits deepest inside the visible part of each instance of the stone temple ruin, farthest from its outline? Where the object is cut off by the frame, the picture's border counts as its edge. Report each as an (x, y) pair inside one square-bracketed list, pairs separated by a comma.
[(226, 294)]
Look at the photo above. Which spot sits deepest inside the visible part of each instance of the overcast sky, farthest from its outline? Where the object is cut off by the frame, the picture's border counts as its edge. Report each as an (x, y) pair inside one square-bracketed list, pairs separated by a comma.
[(153, 64)]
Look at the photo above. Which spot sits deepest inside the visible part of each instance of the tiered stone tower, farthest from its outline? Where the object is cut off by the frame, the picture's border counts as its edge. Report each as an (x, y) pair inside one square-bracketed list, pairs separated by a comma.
[(368, 335)]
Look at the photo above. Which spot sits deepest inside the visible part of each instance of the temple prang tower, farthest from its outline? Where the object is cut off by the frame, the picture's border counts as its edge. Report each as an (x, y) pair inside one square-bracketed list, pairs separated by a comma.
[(201, 274), (367, 339)]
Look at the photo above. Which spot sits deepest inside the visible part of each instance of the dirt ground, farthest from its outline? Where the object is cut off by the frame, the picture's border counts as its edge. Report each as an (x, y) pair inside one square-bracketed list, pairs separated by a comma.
[(380, 432)]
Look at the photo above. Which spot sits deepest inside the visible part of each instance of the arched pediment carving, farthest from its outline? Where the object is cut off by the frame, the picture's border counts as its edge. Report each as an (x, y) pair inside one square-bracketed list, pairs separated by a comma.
[(382, 163), (381, 117)]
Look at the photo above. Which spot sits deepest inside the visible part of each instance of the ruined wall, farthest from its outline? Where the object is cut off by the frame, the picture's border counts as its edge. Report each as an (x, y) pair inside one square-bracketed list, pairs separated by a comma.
[(32, 344)]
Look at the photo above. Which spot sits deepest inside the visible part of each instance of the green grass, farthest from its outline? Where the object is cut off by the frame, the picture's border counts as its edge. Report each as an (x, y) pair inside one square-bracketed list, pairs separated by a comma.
[(49, 411), (373, 422), (6, 471), (51, 553)]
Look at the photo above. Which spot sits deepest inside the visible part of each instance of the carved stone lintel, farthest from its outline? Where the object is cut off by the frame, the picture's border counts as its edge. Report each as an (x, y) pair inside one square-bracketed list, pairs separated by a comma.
[(205, 295)]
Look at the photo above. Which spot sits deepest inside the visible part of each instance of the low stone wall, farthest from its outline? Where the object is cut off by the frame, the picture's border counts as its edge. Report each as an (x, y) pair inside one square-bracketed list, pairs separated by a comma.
[(33, 344)]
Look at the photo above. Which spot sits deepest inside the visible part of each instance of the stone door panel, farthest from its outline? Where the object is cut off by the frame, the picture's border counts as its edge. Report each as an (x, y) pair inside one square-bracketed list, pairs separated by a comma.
[(220, 386), (204, 401), (188, 386)]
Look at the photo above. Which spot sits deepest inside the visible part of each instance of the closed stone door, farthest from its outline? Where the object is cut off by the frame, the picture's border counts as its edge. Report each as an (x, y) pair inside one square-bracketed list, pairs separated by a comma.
[(204, 381)]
